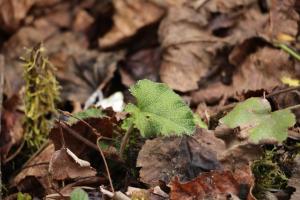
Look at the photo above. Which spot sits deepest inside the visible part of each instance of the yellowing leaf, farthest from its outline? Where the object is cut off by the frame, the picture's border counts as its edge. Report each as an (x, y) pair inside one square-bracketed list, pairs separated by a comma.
[(290, 82)]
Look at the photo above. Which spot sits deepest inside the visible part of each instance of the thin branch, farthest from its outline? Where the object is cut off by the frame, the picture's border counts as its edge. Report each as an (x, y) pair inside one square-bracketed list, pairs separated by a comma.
[(282, 91), (1, 102), (92, 145), (15, 153), (125, 140), (106, 166), (86, 123), (79, 137)]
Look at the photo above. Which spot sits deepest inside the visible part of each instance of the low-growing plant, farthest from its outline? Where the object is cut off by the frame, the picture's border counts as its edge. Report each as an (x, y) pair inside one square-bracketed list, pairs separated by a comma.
[(158, 111)]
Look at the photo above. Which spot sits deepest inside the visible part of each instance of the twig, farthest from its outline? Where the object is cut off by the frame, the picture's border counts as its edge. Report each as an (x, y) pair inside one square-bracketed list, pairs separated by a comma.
[(125, 140), (282, 91), (92, 145), (106, 166), (11, 157), (63, 143), (86, 123), (1, 102), (289, 50), (79, 137)]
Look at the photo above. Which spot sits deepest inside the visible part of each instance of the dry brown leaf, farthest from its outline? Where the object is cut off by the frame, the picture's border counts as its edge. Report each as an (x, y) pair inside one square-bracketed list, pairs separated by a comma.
[(192, 39), (11, 126), (143, 64), (129, 17), (262, 69), (37, 168), (164, 158), (104, 126), (12, 12), (64, 164), (214, 185), (82, 21), (283, 19), (294, 181)]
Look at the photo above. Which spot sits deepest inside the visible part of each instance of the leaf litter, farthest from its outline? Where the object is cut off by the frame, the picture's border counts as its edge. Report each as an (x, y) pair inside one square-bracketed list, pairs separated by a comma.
[(227, 62)]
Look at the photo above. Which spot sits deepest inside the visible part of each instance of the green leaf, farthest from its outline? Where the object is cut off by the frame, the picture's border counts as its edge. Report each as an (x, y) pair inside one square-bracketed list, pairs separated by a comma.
[(79, 194), (159, 110), (198, 121), (255, 115), (91, 112), (24, 196)]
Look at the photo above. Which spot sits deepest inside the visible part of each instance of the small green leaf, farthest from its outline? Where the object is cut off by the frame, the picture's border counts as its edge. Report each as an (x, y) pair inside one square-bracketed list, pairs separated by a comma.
[(91, 112), (79, 194), (255, 115), (159, 110), (198, 121)]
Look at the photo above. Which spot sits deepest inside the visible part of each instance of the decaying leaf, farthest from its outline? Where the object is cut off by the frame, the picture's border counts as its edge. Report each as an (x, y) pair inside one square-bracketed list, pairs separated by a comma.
[(64, 164), (127, 22), (37, 169), (214, 185), (103, 125), (295, 179), (164, 158), (159, 110), (255, 117), (12, 12)]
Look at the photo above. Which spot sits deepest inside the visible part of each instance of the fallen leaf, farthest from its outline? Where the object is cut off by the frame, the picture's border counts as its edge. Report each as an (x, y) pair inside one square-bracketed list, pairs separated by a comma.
[(12, 12), (127, 22), (254, 116), (190, 50), (214, 185), (64, 164), (143, 64), (104, 126), (164, 158), (37, 168), (284, 15), (294, 181), (11, 127)]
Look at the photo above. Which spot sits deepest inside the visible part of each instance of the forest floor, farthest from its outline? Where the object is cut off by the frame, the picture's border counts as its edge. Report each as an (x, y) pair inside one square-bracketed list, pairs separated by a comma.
[(224, 125)]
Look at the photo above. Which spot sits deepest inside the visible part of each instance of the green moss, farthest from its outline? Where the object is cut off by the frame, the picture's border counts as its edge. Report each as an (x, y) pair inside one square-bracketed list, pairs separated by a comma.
[(268, 174), (41, 94)]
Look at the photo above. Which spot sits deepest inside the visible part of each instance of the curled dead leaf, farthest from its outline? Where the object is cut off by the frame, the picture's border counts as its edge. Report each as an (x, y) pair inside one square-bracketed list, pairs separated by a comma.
[(64, 164)]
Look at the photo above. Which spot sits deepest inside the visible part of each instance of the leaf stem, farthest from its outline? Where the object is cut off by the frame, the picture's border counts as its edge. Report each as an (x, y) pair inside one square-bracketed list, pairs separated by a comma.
[(289, 50), (106, 166), (293, 107), (125, 140)]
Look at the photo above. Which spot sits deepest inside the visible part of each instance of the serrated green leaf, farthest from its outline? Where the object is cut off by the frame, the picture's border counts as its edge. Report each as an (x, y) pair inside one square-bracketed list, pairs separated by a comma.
[(159, 110), (91, 112), (255, 115), (198, 121), (79, 194)]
